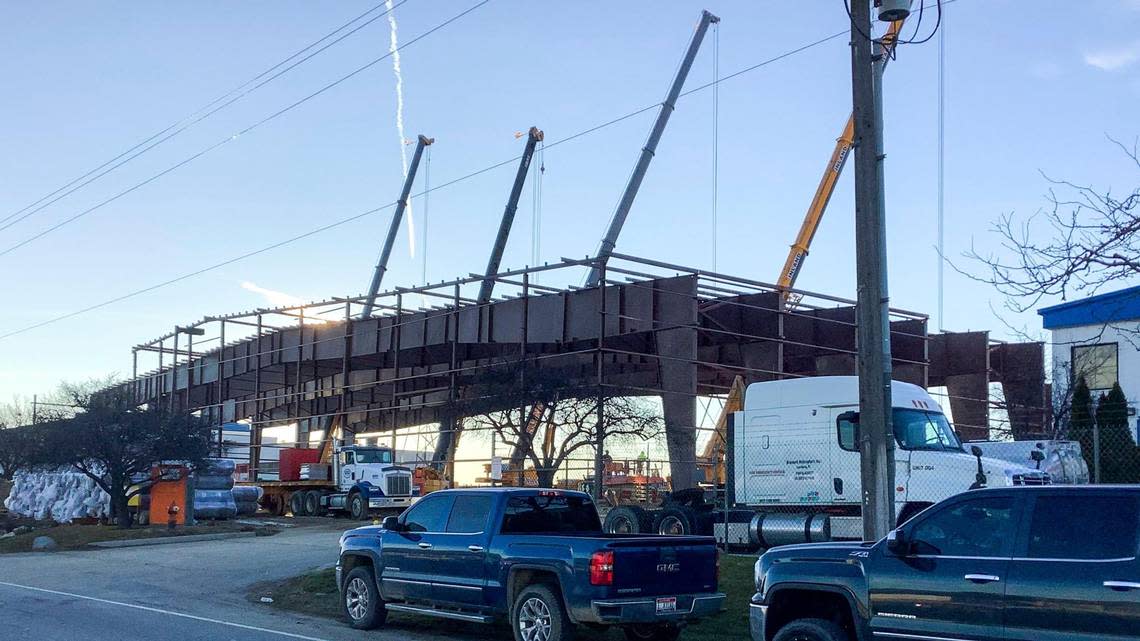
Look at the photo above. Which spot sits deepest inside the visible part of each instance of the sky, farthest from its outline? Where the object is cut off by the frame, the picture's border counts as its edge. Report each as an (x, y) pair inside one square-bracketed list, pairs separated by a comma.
[(1031, 87)]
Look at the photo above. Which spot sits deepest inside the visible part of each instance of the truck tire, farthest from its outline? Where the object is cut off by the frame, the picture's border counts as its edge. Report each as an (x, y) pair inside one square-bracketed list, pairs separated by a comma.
[(358, 506), (652, 632), (811, 630), (538, 615), (628, 519), (361, 600), (297, 503), (674, 520), (313, 503)]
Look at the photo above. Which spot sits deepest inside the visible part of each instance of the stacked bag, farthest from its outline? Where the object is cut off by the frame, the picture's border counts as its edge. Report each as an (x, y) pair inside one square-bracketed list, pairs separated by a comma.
[(213, 490), (246, 498), (60, 495)]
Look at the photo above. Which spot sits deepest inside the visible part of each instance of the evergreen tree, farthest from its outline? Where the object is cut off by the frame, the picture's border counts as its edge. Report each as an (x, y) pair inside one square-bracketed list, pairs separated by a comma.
[(1119, 457), (1081, 421)]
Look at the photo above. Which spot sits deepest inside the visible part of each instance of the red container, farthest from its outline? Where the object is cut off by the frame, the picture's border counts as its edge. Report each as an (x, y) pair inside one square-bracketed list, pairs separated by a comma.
[(291, 460)]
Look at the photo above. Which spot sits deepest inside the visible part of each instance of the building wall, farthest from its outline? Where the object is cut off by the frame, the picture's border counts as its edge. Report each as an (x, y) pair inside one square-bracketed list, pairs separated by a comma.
[(1126, 335)]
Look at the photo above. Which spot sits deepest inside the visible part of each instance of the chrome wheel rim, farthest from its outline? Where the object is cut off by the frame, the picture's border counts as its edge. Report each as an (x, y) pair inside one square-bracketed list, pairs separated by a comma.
[(356, 599), (621, 525), (534, 620), (671, 526)]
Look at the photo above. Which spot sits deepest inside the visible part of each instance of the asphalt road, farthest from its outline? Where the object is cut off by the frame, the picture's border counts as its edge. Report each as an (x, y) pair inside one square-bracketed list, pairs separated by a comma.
[(179, 592)]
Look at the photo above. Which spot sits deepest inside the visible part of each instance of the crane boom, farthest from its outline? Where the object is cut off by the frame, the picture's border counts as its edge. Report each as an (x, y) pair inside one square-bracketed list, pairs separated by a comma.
[(534, 136), (801, 247)]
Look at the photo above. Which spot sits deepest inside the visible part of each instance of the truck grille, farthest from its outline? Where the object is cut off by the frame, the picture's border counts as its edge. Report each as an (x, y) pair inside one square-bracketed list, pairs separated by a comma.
[(1037, 478), (399, 485)]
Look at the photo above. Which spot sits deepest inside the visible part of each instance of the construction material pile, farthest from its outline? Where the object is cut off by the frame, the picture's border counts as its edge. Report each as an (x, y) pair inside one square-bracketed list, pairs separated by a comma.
[(59, 495), (213, 490)]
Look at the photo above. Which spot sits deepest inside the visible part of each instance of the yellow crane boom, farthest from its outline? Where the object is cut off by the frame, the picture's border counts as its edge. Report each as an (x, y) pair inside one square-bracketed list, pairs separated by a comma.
[(800, 248)]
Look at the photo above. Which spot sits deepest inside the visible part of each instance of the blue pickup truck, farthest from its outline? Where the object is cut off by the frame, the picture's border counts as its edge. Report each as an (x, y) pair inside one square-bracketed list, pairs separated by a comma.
[(537, 558)]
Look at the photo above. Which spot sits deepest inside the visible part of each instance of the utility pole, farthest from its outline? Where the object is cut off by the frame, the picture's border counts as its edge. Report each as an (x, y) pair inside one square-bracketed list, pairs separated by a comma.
[(877, 447)]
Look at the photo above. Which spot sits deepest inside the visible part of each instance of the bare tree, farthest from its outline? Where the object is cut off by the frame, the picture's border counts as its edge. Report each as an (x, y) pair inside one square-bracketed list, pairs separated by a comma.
[(546, 422), (1090, 240)]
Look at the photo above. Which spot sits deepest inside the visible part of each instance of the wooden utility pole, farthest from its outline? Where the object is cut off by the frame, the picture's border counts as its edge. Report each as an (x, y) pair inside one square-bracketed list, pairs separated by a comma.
[(873, 332)]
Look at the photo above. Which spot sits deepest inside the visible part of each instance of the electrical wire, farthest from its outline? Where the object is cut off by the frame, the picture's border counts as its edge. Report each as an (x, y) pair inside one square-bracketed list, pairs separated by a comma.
[(445, 185), (189, 121), (237, 135)]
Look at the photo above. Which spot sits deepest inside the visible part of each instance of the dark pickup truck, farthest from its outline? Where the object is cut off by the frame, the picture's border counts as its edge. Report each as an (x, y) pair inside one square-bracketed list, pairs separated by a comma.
[(1049, 563), (537, 558)]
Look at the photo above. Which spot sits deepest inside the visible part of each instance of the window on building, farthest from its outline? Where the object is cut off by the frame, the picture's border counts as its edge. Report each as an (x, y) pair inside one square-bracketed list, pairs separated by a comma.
[(1097, 364)]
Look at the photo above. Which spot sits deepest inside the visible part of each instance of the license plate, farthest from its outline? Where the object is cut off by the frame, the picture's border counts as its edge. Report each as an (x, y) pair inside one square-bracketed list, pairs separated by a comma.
[(667, 605)]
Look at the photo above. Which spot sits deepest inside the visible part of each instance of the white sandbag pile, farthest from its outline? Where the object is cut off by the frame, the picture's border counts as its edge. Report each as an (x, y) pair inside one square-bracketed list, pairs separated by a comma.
[(61, 496)]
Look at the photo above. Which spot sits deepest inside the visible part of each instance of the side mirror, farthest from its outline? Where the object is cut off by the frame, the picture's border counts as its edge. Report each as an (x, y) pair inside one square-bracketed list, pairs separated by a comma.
[(897, 543), (392, 524), (1037, 455), (976, 451)]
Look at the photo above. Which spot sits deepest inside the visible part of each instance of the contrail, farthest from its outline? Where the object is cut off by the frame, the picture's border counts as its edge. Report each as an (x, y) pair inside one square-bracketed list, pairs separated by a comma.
[(394, 49)]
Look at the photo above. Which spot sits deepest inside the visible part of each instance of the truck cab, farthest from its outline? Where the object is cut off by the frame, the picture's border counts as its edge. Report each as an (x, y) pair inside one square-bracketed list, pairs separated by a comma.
[(1055, 563), (796, 444), (368, 476)]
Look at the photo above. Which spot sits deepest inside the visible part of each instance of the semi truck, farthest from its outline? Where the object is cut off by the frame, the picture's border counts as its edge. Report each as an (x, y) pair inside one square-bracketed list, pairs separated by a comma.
[(792, 467), (357, 480)]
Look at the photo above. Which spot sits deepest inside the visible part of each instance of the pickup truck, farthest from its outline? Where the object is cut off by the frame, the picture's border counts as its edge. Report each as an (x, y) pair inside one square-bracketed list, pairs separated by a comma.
[(537, 558), (1044, 563)]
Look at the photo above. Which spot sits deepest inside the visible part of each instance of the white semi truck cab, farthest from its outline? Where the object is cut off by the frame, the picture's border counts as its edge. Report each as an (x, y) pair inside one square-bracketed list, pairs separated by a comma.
[(793, 467), (796, 445), (371, 473)]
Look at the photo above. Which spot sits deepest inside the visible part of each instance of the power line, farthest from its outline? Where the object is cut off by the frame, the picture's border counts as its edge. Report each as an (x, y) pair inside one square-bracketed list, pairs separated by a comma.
[(237, 135), (185, 123), (454, 181)]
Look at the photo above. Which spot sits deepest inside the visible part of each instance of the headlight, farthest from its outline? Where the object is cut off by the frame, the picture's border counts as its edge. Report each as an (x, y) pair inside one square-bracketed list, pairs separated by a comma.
[(758, 576)]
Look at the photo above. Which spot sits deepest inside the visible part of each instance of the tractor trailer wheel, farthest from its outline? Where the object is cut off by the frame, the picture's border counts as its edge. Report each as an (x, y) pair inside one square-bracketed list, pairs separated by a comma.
[(297, 503)]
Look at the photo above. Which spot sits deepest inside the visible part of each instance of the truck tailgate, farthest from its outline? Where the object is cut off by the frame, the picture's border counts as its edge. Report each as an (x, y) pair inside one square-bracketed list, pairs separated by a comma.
[(664, 566)]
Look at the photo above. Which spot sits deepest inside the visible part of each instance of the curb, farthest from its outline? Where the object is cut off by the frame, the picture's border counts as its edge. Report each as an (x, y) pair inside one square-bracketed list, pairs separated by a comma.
[(168, 540)]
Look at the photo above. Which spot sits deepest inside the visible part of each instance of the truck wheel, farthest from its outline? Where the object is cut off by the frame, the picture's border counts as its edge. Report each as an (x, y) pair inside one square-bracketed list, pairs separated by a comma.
[(538, 615), (357, 506), (652, 632), (361, 600), (628, 519), (297, 503), (674, 521), (313, 503), (811, 630)]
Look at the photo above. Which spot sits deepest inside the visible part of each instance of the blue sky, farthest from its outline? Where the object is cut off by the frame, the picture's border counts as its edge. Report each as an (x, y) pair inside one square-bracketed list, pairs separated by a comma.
[(1031, 86)]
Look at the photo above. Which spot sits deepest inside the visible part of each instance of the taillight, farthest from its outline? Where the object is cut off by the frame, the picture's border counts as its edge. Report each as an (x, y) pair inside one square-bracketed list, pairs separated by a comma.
[(602, 568)]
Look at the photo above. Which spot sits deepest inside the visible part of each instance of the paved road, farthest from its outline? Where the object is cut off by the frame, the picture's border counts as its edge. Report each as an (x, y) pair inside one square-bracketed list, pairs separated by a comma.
[(183, 592)]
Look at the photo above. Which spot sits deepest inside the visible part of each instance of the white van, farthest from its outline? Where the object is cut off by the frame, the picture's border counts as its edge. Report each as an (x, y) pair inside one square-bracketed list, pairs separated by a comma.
[(795, 445)]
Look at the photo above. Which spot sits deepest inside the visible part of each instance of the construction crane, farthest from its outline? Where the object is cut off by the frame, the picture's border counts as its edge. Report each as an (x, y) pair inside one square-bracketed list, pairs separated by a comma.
[(800, 248), (609, 241), (394, 226), (534, 136)]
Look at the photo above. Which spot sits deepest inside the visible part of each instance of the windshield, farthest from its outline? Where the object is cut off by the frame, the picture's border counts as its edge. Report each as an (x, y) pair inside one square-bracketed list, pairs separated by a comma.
[(919, 430), (373, 456)]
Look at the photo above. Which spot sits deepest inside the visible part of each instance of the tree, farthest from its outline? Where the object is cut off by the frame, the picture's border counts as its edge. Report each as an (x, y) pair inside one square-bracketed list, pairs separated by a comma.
[(1091, 241), (568, 417), (1081, 421), (1119, 458), (17, 450), (116, 444)]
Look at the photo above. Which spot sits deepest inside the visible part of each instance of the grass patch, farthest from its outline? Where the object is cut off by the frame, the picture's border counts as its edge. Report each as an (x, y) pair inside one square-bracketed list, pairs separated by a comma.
[(315, 594), (79, 537)]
